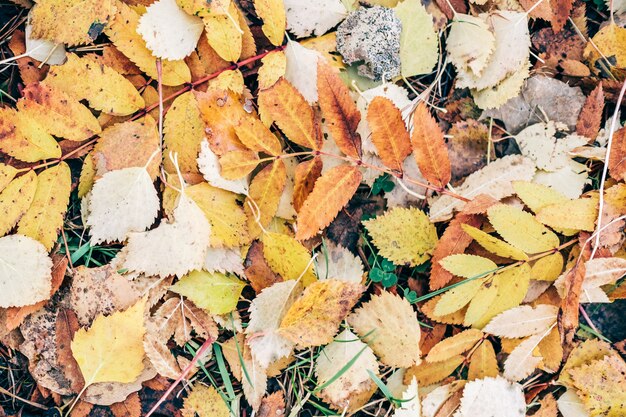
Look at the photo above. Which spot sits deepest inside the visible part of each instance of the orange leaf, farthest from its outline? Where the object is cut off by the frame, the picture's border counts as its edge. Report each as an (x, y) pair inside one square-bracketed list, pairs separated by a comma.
[(237, 164), (340, 111), (431, 152), (590, 117), (221, 111), (285, 106), (306, 174), (389, 133), (330, 194), (561, 10), (257, 137), (264, 195), (617, 159), (568, 319)]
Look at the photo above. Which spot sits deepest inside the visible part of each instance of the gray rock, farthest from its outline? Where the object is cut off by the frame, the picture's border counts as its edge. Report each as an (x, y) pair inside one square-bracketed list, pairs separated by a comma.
[(371, 35)]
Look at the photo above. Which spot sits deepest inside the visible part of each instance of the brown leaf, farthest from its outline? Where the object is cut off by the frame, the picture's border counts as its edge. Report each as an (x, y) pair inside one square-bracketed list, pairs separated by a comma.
[(561, 10), (429, 148), (66, 326), (264, 195), (272, 405), (389, 133), (467, 148), (330, 194), (453, 241), (590, 117), (617, 159), (29, 67), (131, 407), (284, 105), (257, 271), (568, 317), (305, 176), (339, 110)]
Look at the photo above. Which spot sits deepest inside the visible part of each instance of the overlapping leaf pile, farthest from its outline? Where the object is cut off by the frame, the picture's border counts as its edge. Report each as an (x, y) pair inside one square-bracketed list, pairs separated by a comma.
[(391, 216)]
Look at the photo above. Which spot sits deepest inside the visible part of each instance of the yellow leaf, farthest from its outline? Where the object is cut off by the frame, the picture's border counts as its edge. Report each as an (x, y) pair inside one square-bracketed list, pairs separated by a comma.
[(428, 373), (202, 7), (331, 193), (419, 43), (458, 297), (235, 165), (183, 132), (578, 214), (455, 345), (257, 137), (272, 12), (468, 266), (264, 196), (551, 351), (228, 80), (428, 308), (403, 235), (493, 244), (214, 292), (15, 199), (610, 41), (227, 218), (283, 104), (224, 34), (111, 350), (24, 138), (314, 318), (602, 386), (537, 196), (480, 303), (87, 176), (288, 258), (60, 115), (7, 173), (70, 21), (521, 229), (103, 87), (548, 268), (205, 402), (44, 218), (273, 67), (483, 363), (395, 341), (122, 31), (326, 45)]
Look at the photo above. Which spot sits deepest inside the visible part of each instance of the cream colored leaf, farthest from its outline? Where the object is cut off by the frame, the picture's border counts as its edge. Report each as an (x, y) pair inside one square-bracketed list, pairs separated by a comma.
[(352, 383), (523, 321), (121, 202), (569, 180), (411, 406), (266, 313), (209, 166), (521, 361), (255, 388), (389, 325), (172, 248), (507, 89), (224, 260), (313, 18), (492, 397), (570, 405), (169, 32), (25, 271), (301, 69), (52, 53), (335, 261), (538, 142), (470, 43)]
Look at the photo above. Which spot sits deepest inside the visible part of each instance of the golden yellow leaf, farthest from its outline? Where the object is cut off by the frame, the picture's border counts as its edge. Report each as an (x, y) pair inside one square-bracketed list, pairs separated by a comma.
[(389, 133), (224, 33), (578, 214), (493, 244), (238, 164), (551, 351), (228, 80), (483, 362), (264, 196), (314, 318), (59, 114), (584, 353), (326, 45), (183, 132), (274, 67), (284, 105), (521, 229), (202, 7), (44, 218), (257, 137), (70, 21), (205, 402), (288, 258), (331, 193), (403, 235), (24, 138), (87, 176), (395, 341), (111, 350), (214, 292), (428, 373), (122, 31), (601, 385), (227, 218), (480, 303), (458, 297), (610, 41), (15, 199), (468, 266), (548, 268), (7, 173), (537, 196), (428, 308), (455, 345), (272, 12), (103, 87)]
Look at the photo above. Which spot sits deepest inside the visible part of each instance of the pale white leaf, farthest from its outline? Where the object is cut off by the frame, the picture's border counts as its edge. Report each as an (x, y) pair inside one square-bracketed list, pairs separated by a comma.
[(521, 362), (169, 32), (492, 397), (121, 202), (25, 271), (306, 18), (569, 180), (224, 260), (522, 321), (255, 388), (335, 261), (470, 43), (433, 401), (301, 69), (411, 405), (570, 405), (43, 50), (209, 166)]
